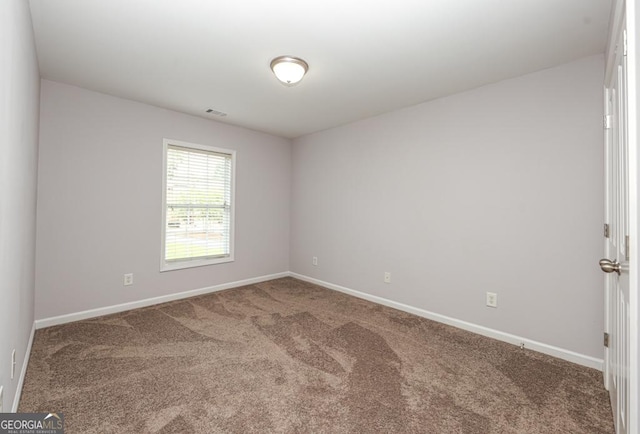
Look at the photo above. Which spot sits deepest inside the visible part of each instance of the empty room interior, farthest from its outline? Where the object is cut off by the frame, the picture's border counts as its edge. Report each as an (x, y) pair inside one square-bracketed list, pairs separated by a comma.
[(330, 216)]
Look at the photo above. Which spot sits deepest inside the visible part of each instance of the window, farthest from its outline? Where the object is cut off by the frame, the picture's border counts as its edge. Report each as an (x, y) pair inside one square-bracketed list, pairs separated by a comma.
[(198, 201)]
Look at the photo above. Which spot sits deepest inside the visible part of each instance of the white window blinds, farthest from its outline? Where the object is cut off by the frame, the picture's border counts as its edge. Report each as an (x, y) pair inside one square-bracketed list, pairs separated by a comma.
[(198, 205)]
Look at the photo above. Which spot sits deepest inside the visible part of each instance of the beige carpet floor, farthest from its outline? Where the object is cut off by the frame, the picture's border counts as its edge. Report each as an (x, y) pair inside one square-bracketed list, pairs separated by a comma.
[(287, 356)]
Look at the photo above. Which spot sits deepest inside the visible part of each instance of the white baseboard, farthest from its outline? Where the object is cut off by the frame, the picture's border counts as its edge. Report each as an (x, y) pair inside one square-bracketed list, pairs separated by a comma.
[(23, 371), (92, 313), (551, 350)]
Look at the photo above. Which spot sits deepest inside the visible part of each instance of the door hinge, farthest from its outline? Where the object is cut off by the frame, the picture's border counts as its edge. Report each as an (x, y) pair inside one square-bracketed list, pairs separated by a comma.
[(606, 339), (626, 247), (607, 122), (624, 43), (606, 230)]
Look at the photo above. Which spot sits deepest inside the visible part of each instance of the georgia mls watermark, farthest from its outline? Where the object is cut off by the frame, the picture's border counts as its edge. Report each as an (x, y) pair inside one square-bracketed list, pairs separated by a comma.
[(31, 423)]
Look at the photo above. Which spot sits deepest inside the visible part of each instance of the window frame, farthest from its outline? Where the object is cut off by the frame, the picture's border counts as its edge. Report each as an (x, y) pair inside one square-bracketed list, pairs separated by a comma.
[(192, 263)]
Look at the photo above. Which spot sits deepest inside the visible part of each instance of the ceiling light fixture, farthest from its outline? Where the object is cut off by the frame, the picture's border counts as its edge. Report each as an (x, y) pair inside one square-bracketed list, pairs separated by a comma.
[(289, 70)]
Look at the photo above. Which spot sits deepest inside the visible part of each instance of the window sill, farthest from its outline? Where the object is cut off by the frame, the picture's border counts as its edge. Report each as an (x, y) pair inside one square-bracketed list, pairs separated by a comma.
[(181, 265)]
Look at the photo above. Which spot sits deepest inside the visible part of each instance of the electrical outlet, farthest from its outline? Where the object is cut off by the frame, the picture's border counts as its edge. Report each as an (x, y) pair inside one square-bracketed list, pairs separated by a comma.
[(492, 299), (387, 277), (314, 261), (13, 363), (128, 279)]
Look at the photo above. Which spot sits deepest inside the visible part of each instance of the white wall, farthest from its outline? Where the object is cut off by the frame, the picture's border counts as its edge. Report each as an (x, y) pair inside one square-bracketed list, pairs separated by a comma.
[(99, 201), (496, 189), (19, 99)]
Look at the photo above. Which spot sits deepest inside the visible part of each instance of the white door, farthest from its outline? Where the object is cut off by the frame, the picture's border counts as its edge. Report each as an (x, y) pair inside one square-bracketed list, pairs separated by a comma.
[(616, 262)]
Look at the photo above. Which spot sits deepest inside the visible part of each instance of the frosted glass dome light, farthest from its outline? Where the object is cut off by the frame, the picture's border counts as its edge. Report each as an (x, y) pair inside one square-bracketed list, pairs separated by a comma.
[(289, 70)]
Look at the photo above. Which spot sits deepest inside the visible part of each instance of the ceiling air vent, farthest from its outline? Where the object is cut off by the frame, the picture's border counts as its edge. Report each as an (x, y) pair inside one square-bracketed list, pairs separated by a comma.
[(216, 113)]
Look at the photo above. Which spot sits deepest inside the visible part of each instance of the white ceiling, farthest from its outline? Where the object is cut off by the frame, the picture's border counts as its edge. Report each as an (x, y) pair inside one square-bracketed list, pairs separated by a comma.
[(365, 57)]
